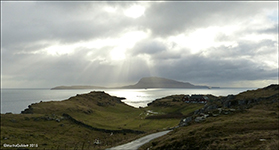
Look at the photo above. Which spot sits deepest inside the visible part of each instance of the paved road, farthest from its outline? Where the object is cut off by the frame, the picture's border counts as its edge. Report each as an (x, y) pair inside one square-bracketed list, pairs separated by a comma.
[(134, 145)]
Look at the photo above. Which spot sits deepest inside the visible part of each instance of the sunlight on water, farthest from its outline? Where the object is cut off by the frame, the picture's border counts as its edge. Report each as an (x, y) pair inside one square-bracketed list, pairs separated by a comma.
[(141, 97), (16, 100)]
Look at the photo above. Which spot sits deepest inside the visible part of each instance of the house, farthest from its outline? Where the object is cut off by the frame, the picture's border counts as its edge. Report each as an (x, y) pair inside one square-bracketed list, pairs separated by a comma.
[(195, 99), (186, 98)]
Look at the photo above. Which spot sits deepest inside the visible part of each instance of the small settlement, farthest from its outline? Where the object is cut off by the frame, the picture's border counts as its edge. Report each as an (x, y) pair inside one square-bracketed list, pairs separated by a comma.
[(195, 99)]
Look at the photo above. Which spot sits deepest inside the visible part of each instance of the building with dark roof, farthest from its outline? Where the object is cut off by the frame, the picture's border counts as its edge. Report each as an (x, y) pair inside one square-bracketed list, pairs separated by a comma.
[(195, 99)]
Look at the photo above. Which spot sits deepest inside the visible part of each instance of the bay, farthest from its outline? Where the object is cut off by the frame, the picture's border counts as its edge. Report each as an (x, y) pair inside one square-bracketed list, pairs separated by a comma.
[(16, 100)]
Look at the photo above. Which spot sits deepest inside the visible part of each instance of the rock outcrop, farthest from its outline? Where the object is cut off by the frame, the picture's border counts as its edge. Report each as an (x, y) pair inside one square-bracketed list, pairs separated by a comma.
[(234, 103)]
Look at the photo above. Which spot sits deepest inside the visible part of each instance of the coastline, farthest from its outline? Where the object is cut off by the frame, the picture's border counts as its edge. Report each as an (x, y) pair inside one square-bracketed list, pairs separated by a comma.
[(15, 100)]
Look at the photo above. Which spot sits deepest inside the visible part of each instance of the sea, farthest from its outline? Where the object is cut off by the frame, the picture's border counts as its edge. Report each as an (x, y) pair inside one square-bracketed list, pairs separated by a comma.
[(15, 100)]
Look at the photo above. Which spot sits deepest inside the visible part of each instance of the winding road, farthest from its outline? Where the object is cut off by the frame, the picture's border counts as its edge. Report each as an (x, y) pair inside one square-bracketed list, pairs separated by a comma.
[(134, 145)]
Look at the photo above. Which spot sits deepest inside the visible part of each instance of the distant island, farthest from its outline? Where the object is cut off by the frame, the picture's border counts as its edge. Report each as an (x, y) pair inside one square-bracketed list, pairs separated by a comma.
[(77, 87), (146, 82), (158, 82)]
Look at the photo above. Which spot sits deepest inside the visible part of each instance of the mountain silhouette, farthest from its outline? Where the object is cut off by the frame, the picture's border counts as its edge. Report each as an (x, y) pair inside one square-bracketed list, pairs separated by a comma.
[(158, 82)]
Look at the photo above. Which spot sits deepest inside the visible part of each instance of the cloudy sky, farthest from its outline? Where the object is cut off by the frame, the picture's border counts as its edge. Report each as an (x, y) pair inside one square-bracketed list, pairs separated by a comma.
[(46, 44)]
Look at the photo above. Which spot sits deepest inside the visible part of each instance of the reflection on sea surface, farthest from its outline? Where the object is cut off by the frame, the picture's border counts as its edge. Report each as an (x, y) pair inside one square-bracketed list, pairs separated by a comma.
[(141, 97), (16, 100)]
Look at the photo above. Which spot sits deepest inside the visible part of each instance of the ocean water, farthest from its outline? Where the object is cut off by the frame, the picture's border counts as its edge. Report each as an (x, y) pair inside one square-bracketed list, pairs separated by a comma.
[(16, 100)]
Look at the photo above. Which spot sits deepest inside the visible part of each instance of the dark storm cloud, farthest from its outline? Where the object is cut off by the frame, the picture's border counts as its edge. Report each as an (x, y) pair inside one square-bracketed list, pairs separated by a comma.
[(273, 30), (71, 69), (175, 17), (73, 22), (200, 70), (64, 22), (244, 49), (156, 50)]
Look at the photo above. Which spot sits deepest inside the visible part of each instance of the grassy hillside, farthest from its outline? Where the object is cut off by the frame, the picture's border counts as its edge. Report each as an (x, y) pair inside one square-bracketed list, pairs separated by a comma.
[(100, 110), (50, 134), (252, 128), (174, 104), (79, 120)]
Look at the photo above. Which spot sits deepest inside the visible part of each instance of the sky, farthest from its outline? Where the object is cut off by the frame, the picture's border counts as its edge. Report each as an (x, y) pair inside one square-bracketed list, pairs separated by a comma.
[(226, 44)]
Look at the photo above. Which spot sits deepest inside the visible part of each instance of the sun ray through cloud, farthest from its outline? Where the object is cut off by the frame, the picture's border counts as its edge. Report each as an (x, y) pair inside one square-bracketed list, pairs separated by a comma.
[(83, 41)]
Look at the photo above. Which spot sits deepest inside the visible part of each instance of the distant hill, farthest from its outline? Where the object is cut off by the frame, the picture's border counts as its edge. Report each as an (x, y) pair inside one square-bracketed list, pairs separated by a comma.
[(77, 87), (146, 82), (158, 82)]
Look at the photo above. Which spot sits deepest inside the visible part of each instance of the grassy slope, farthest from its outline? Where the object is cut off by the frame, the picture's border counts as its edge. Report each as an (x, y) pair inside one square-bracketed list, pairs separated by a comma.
[(95, 109), (27, 129), (254, 128), (174, 104), (101, 111), (237, 131)]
